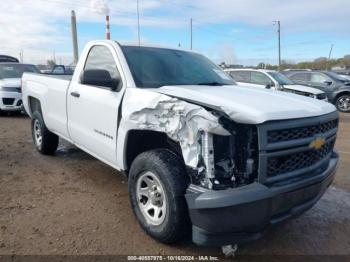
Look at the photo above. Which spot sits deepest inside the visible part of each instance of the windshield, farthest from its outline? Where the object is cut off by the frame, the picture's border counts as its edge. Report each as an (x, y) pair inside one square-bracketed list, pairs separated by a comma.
[(15, 70), (337, 77), (280, 78), (347, 77), (156, 67)]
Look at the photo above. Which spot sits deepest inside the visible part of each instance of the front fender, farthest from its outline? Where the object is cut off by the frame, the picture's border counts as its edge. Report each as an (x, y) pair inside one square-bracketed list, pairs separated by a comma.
[(143, 109)]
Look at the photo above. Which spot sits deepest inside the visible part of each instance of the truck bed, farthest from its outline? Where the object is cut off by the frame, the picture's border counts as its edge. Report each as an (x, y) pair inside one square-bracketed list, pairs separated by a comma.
[(51, 91), (62, 77)]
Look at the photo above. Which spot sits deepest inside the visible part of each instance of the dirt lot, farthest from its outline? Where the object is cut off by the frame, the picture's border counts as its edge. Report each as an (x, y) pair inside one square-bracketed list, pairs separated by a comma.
[(71, 203)]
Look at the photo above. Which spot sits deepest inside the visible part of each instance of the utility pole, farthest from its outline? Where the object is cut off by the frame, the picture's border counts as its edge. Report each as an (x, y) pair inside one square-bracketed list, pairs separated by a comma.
[(329, 56), (138, 22), (191, 25), (54, 56), (278, 22), (74, 37), (21, 55)]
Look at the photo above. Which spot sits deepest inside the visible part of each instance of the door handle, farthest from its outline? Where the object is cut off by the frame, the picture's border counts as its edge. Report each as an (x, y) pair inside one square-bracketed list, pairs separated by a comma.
[(75, 94)]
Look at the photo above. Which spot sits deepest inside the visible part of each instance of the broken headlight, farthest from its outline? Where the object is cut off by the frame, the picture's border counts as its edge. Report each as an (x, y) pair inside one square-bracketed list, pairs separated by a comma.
[(228, 161)]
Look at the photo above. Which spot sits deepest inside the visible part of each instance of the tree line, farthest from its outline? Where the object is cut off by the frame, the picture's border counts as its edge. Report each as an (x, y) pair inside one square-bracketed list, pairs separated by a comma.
[(321, 63)]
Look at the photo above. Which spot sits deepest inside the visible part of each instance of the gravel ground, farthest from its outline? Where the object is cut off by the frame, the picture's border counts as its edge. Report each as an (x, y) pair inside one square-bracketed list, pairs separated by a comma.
[(71, 203)]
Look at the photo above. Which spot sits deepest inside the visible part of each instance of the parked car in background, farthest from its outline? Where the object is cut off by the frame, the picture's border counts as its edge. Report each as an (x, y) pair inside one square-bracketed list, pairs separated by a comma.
[(345, 76), (336, 87), (62, 70), (292, 69), (8, 59), (273, 80), (10, 85)]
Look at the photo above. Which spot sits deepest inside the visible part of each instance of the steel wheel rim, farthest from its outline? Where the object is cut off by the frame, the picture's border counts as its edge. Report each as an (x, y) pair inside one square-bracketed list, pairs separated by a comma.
[(37, 133), (151, 198), (344, 103)]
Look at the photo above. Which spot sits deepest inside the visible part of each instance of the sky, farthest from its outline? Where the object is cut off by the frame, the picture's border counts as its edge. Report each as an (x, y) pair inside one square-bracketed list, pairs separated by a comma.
[(231, 31)]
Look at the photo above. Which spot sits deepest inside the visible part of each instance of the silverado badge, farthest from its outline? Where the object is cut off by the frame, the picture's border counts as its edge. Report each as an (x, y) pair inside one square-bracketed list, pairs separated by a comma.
[(317, 143)]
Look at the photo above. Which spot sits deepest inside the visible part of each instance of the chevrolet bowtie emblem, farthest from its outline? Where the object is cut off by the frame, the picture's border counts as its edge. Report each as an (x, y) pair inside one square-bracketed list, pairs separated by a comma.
[(317, 143)]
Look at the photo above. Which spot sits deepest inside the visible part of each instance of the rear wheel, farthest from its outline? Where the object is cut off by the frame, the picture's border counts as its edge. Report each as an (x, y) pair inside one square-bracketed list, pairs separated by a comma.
[(343, 103), (45, 141), (157, 186)]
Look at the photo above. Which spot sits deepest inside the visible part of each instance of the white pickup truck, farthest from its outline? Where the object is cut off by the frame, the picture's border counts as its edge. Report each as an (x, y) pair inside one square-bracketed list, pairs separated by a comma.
[(224, 161)]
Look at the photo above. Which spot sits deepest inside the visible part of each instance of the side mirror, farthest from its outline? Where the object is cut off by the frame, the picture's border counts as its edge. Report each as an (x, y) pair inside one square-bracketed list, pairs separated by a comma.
[(269, 85), (328, 83), (99, 77)]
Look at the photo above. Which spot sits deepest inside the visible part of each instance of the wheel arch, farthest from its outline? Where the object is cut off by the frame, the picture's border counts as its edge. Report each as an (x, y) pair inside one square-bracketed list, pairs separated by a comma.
[(139, 141), (34, 105), (341, 93)]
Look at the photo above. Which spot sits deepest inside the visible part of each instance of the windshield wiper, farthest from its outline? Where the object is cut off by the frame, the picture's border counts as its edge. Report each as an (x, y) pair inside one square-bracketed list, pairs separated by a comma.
[(210, 84)]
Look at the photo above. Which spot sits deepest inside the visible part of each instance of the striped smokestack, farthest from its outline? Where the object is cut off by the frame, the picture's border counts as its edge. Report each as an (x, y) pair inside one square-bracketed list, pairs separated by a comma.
[(108, 32)]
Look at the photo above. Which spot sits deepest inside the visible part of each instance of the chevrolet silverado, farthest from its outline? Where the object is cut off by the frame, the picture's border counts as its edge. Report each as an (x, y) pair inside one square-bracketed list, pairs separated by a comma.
[(201, 154)]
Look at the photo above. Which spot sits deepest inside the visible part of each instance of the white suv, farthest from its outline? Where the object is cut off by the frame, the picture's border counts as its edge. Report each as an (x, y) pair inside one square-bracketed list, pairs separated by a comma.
[(10, 85), (271, 79)]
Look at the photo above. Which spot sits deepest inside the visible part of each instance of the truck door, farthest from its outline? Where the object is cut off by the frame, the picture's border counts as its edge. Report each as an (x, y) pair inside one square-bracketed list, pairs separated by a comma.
[(93, 104)]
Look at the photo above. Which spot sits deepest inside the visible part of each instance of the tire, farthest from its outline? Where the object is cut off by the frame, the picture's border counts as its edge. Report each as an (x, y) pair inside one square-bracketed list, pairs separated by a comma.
[(45, 141), (166, 167), (343, 103)]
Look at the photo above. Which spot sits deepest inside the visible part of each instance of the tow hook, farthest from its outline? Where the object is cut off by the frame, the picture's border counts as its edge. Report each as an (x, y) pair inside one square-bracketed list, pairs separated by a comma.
[(229, 250)]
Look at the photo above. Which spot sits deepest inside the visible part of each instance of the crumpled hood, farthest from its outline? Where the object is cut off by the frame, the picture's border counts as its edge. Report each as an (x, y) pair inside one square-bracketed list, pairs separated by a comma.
[(250, 105), (302, 88), (10, 82)]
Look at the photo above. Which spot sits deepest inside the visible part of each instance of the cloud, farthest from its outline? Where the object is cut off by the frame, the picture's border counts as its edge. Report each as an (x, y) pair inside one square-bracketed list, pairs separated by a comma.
[(100, 7), (237, 30), (39, 26), (226, 53)]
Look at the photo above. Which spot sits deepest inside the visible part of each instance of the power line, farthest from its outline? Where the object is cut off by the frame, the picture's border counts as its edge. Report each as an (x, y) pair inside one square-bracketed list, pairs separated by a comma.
[(78, 4), (214, 32)]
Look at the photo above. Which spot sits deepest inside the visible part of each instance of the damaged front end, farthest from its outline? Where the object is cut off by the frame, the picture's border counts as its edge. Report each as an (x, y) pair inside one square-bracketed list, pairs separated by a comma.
[(218, 152), (244, 177), (227, 161)]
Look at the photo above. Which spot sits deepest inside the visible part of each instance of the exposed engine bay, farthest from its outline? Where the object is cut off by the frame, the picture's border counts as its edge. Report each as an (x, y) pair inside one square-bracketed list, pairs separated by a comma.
[(228, 161)]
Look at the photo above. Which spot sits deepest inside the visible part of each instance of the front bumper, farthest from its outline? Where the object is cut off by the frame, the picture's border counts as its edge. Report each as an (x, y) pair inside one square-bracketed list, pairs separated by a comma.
[(11, 101), (243, 214)]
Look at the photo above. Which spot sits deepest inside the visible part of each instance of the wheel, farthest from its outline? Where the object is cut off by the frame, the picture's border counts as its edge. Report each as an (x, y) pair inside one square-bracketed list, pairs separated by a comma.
[(343, 103), (45, 141), (157, 187)]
